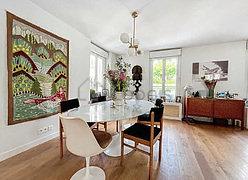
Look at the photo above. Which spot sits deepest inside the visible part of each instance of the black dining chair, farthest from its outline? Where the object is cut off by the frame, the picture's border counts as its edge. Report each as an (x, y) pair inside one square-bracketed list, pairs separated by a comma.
[(146, 135), (158, 110), (96, 100), (63, 107)]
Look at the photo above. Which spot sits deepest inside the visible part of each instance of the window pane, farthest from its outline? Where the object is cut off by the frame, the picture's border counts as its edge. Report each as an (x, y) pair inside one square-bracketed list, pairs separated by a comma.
[(92, 72), (157, 76), (170, 78), (100, 74)]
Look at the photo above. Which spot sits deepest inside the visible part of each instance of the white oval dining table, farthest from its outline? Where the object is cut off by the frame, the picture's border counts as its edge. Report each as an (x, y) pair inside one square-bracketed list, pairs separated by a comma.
[(103, 112)]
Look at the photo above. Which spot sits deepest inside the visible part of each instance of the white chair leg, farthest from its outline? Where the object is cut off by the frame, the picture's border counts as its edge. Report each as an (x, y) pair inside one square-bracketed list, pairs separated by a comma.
[(87, 174)]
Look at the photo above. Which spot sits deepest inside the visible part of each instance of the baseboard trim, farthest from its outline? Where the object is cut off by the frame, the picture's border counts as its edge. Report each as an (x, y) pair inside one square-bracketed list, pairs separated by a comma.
[(22, 148)]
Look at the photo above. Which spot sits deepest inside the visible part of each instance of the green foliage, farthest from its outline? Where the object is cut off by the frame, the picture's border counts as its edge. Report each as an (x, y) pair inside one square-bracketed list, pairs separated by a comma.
[(170, 72), (63, 83), (21, 83), (36, 87), (21, 63), (58, 56), (21, 45), (58, 70), (50, 46), (158, 72), (42, 52), (30, 38), (118, 78), (121, 64), (54, 88)]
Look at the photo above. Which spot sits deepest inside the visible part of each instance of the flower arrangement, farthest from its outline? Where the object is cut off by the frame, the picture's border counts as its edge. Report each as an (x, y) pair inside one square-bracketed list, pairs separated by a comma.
[(118, 78), (210, 83)]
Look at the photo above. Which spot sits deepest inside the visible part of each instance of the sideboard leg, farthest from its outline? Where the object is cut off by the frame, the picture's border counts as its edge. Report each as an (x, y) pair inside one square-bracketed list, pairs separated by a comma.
[(242, 125)]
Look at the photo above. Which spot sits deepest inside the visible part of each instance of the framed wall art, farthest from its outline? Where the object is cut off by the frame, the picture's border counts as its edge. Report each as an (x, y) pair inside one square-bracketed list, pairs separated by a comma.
[(37, 71), (210, 70)]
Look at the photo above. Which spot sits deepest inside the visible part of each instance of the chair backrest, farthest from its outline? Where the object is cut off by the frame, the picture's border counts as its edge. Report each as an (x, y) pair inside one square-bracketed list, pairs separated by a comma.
[(69, 104), (80, 139), (158, 113), (99, 99), (159, 102)]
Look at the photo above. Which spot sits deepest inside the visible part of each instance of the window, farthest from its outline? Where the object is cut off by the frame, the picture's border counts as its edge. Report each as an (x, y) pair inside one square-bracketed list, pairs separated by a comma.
[(164, 77), (97, 69)]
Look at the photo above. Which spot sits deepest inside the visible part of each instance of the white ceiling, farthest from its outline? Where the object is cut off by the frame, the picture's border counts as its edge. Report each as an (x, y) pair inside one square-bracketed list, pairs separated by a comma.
[(161, 24)]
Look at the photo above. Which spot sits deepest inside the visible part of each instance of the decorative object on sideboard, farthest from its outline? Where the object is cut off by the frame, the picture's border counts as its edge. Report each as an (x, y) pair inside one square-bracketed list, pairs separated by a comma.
[(226, 94), (133, 42), (246, 102), (187, 89), (210, 83), (118, 80), (197, 94), (137, 78), (178, 99)]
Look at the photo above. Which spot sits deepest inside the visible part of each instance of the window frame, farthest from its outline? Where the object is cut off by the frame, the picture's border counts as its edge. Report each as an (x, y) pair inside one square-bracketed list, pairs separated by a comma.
[(97, 56), (164, 59)]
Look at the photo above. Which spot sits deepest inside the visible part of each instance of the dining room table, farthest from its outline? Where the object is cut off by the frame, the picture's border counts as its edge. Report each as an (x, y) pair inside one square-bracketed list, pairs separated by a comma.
[(104, 112)]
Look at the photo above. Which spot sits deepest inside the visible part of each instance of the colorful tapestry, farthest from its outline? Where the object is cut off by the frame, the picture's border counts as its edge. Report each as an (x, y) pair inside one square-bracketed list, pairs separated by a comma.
[(37, 70)]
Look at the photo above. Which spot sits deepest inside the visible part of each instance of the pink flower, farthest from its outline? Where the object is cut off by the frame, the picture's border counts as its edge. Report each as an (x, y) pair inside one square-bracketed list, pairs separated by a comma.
[(122, 77)]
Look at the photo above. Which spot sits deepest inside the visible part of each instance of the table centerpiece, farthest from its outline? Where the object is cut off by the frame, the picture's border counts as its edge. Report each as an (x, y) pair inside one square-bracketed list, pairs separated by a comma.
[(119, 80)]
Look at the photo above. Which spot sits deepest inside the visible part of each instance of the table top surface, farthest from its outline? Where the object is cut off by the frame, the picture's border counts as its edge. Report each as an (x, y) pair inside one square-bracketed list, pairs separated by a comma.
[(102, 111)]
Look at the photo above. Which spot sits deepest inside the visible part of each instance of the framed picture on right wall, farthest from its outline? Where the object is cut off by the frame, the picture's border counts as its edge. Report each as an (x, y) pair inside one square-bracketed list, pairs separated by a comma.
[(216, 69)]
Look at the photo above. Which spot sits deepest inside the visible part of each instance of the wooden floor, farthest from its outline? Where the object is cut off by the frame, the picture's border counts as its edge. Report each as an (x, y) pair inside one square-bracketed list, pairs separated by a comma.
[(189, 152)]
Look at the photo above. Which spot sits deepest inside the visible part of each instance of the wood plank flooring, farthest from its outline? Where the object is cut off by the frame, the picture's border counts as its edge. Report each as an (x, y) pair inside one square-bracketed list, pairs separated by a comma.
[(194, 152)]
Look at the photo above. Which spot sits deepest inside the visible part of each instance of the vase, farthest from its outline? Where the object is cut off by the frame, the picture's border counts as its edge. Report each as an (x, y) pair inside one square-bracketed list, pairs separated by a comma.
[(211, 93), (119, 97)]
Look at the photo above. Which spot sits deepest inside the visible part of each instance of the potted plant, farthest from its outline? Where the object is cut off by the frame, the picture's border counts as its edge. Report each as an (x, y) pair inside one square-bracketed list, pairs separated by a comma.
[(210, 83), (118, 80)]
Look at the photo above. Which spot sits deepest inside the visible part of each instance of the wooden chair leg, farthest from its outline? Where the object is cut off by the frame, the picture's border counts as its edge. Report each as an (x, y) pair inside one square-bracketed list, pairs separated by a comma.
[(160, 148), (136, 144), (105, 126), (117, 126), (61, 139), (151, 162), (122, 148)]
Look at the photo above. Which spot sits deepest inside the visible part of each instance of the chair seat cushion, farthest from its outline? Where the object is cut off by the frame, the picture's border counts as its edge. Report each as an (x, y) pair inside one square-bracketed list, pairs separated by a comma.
[(141, 131), (103, 138)]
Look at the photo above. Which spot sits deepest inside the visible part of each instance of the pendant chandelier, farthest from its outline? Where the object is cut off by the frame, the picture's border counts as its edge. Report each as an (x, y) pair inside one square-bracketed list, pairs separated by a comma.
[(133, 42)]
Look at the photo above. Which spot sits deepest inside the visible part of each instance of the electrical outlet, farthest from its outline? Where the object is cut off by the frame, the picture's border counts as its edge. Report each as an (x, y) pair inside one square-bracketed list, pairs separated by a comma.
[(50, 127), (40, 131), (45, 129)]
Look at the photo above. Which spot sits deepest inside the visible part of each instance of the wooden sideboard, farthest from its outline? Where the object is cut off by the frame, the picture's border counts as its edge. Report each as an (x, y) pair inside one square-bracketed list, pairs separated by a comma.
[(215, 108)]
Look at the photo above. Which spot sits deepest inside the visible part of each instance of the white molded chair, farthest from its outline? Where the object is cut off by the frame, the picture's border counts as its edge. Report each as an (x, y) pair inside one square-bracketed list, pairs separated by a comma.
[(83, 141)]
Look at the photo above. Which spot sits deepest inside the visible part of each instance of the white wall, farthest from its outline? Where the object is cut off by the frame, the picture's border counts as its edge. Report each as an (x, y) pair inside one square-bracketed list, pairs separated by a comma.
[(19, 137), (234, 52)]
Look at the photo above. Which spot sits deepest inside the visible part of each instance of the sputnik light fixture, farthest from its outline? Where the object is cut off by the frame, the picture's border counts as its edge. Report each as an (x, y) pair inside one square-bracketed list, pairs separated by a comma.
[(133, 42)]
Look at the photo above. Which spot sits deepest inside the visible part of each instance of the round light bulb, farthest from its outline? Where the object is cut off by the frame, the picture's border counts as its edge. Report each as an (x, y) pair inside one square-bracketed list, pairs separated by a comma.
[(140, 53), (131, 51), (135, 42), (124, 38)]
